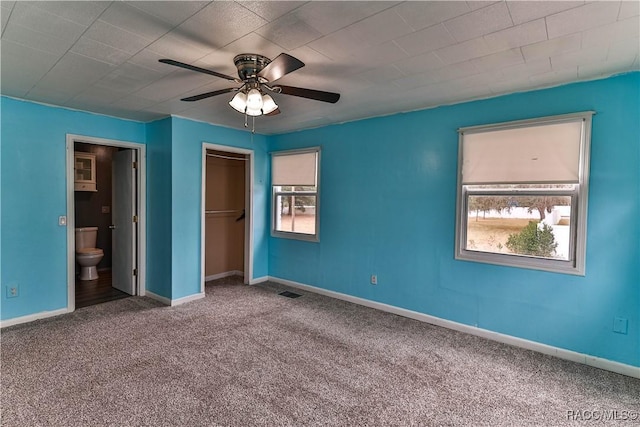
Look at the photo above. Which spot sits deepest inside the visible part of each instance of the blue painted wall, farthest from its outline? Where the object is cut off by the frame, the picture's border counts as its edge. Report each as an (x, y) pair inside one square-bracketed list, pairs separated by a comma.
[(186, 188), (33, 181), (388, 207), (159, 207), (174, 195), (388, 193), (33, 191)]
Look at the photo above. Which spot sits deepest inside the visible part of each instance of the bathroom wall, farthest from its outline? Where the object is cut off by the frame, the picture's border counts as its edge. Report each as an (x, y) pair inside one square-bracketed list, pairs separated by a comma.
[(89, 204)]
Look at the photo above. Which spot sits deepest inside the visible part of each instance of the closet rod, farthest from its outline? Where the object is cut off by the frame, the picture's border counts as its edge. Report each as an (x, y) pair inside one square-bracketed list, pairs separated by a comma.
[(226, 157), (225, 211)]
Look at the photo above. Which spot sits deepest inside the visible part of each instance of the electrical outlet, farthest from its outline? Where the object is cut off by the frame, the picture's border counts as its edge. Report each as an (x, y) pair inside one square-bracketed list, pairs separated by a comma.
[(620, 325), (374, 279), (13, 291)]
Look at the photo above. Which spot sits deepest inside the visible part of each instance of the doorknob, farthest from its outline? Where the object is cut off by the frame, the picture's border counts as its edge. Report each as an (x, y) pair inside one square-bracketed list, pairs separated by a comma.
[(112, 226)]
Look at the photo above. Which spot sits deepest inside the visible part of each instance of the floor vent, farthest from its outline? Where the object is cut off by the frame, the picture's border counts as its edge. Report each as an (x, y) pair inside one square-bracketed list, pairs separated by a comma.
[(289, 294)]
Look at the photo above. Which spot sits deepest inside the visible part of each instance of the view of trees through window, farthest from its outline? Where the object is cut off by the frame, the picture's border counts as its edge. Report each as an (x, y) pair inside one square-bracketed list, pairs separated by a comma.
[(522, 193), (529, 224)]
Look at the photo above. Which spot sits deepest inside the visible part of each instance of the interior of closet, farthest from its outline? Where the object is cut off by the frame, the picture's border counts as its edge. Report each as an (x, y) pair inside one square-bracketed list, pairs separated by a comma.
[(224, 214)]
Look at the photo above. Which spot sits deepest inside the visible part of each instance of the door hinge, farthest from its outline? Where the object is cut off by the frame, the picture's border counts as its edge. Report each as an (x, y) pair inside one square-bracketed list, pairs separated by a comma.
[(135, 218), (135, 271), (135, 165)]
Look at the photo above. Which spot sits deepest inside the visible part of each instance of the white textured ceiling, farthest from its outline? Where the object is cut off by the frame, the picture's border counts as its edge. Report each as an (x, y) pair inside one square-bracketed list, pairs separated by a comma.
[(383, 57)]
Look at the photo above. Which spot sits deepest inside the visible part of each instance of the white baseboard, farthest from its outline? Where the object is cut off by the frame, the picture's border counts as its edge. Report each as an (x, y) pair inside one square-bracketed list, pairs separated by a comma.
[(259, 280), (597, 362), (186, 299), (164, 300), (32, 317), (174, 302), (46, 314), (225, 274)]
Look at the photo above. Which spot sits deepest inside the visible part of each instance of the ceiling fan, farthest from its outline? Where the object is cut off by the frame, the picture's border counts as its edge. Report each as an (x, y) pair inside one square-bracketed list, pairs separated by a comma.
[(257, 75)]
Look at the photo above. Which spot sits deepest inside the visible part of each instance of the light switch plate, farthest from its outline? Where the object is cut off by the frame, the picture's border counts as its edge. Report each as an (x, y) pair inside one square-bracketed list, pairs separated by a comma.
[(620, 325), (62, 221), (13, 291)]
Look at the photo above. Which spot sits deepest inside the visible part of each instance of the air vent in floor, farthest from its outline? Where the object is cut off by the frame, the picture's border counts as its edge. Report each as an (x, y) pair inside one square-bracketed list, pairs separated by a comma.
[(289, 294)]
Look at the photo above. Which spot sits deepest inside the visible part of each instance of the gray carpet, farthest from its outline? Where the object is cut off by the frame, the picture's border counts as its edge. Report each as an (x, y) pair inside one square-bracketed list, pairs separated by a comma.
[(246, 356)]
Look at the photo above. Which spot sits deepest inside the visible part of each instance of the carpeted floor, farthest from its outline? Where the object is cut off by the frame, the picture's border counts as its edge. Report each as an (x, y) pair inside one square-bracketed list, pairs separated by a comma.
[(246, 356)]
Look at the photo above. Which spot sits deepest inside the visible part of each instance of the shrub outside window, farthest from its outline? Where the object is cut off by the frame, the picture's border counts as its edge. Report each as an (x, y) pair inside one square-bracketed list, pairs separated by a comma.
[(295, 202), (522, 193)]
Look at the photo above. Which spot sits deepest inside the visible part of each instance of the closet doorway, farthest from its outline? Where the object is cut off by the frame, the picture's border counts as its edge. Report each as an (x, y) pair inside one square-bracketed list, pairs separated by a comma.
[(226, 216)]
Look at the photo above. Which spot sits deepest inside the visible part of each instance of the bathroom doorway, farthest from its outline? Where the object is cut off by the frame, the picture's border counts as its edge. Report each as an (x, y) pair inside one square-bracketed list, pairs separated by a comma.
[(226, 216), (104, 196)]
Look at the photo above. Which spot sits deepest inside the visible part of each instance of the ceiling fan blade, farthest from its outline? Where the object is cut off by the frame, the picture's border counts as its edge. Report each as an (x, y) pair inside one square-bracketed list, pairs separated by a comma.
[(317, 95), (274, 112), (209, 94), (283, 64), (197, 69)]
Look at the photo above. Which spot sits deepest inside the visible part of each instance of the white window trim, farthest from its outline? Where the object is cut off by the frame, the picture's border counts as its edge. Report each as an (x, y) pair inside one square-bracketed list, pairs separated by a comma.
[(575, 266), (292, 234)]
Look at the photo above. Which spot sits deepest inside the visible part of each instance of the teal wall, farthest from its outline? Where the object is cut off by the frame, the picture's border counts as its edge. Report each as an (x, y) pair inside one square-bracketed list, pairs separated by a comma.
[(159, 207), (33, 181), (387, 208), (186, 170), (388, 193), (33, 195)]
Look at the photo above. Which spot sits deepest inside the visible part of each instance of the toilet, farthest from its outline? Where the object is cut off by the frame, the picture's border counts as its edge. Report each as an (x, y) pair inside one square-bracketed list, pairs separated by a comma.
[(87, 255)]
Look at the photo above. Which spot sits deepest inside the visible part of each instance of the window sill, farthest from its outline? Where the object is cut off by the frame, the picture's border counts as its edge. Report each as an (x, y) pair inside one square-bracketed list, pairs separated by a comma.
[(295, 236), (517, 261)]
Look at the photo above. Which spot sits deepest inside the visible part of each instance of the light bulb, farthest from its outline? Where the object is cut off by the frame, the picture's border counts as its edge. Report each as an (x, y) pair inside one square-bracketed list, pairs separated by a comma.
[(239, 102), (268, 104), (253, 111), (254, 99)]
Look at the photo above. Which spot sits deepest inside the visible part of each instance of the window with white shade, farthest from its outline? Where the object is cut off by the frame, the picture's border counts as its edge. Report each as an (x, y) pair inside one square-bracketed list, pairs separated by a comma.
[(294, 180), (522, 193)]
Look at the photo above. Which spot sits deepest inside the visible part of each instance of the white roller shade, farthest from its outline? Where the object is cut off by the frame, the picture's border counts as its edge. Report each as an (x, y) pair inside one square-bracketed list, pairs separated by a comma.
[(533, 154), (296, 169)]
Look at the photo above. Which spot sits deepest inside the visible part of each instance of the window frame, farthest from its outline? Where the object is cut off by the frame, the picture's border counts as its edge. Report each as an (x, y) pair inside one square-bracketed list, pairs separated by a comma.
[(579, 202), (276, 193)]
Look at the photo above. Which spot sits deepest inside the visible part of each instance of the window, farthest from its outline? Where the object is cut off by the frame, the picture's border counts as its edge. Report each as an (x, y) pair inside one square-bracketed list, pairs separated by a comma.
[(522, 193), (294, 179)]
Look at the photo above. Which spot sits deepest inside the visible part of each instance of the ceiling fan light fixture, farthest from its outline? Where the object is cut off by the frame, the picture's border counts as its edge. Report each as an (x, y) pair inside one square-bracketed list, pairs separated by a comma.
[(254, 99), (239, 102), (256, 74), (253, 112), (268, 104)]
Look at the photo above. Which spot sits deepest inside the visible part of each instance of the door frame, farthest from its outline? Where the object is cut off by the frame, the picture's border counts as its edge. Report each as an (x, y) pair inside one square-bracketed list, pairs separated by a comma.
[(248, 192), (141, 200)]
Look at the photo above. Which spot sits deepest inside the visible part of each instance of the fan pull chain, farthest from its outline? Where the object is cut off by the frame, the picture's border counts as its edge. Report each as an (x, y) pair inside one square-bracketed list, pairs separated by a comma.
[(253, 123)]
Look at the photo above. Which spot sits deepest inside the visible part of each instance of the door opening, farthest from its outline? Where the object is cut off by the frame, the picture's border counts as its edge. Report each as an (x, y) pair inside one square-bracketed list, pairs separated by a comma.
[(104, 220), (226, 215)]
